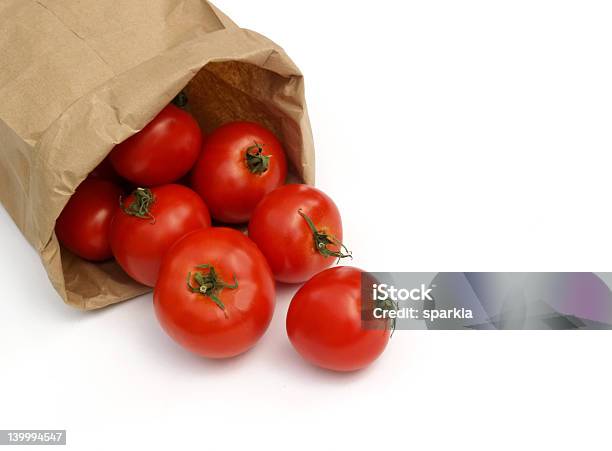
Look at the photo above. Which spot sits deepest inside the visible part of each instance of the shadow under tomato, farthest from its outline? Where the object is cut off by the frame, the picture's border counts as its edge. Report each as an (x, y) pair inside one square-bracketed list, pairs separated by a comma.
[(300, 369), (172, 354)]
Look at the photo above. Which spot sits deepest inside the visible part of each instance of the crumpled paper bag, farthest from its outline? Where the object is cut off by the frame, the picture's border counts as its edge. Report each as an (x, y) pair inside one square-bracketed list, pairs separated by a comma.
[(79, 76)]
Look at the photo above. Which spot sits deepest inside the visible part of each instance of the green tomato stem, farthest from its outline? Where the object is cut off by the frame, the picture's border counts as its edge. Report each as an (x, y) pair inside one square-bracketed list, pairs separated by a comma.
[(209, 284), (141, 205), (322, 240), (181, 100), (256, 161)]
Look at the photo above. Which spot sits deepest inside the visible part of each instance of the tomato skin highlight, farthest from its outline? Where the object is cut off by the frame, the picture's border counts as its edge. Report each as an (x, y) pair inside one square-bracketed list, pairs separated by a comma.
[(139, 244), (324, 322), (284, 236), (223, 178), (84, 224), (194, 320), (162, 152)]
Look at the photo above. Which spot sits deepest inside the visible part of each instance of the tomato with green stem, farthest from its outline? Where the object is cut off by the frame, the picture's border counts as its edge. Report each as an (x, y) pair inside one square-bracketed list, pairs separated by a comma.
[(299, 230), (149, 222), (215, 293), (325, 322), (240, 163)]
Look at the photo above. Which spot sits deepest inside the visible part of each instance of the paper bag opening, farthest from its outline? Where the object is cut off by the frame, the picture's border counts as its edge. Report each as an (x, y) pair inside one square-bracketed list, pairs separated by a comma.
[(221, 92)]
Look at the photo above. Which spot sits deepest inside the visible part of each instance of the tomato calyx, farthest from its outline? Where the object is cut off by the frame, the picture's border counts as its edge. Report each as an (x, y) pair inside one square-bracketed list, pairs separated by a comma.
[(209, 284), (323, 239), (256, 161), (388, 305), (181, 100), (141, 205)]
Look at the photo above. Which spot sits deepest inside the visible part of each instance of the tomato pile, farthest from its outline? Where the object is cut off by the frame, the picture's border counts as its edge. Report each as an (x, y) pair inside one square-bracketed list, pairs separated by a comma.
[(169, 203)]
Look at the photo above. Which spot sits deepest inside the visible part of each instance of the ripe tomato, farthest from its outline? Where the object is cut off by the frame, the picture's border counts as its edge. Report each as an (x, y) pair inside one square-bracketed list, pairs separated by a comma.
[(149, 222), (215, 293), (162, 152), (299, 230), (324, 322), (240, 163), (84, 225)]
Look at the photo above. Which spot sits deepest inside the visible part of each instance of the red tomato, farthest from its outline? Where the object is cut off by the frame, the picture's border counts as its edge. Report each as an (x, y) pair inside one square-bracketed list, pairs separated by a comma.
[(162, 152), (84, 225), (150, 221), (324, 322), (241, 162), (215, 293), (299, 230)]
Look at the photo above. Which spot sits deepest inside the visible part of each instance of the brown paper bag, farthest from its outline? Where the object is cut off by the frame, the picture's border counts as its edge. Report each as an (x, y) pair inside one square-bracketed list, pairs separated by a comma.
[(79, 76)]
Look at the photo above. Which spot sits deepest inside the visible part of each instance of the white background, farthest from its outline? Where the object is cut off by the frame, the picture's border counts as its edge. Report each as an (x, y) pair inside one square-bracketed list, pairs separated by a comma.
[(471, 135)]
